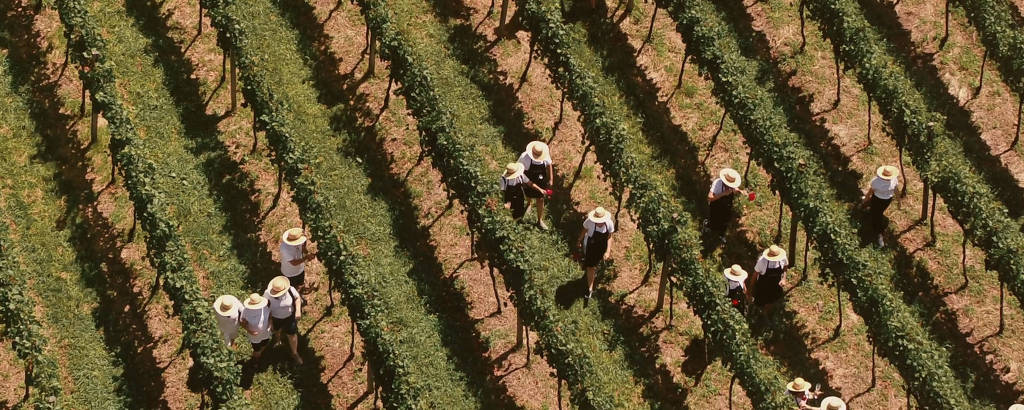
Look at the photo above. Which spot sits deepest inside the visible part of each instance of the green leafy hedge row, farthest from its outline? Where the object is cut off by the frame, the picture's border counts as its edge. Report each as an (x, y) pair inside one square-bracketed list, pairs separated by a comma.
[(571, 342), (352, 229), (744, 90), (213, 361), (1001, 35), (670, 231), (21, 327), (937, 155)]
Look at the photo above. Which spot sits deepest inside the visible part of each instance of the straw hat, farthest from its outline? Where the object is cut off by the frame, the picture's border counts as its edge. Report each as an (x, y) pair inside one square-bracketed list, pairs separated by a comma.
[(832, 403), (599, 215), (774, 253), (278, 286), (1017, 407), (225, 305), (735, 273), (730, 177), (513, 170), (293, 237), (538, 151), (255, 301), (798, 385), (887, 172)]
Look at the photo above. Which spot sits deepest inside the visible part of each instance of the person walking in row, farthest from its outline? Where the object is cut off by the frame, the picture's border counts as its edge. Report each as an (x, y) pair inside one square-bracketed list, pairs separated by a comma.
[(720, 200), (877, 198), (513, 184), (229, 315), (595, 243), (294, 257), (256, 321), (770, 276), (285, 310), (537, 167), (800, 390), (736, 287), (834, 403)]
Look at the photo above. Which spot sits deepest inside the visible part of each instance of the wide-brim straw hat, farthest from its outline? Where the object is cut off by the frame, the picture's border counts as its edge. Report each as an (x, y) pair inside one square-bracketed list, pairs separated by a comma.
[(735, 273), (255, 301), (278, 286), (1017, 407), (599, 215), (887, 172), (514, 170), (730, 177), (774, 253), (225, 305), (798, 385), (293, 237), (542, 148), (832, 403)]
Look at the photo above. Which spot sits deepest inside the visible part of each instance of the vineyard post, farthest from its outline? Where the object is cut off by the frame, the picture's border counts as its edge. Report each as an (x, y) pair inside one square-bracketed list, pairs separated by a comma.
[(732, 383), (81, 108), (839, 79), (650, 29), (869, 119), (1016, 135), (199, 30), (981, 77), (903, 172), (520, 328), (839, 305), (714, 137), (924, 202), (504, 14), (526, 332), (750, 158), (794, 224), (807, 247), (371, 62), (803, 38), (945, 36), (661, 286), (369, 377), (352, 338), (682, 69), (93, 123), (494, 285), (671, 302), (932, 223), (963, 257), (255, 138), (873, 354), (29, 364), (234, 84), (559, 381), (1002, 323), (778, 226)]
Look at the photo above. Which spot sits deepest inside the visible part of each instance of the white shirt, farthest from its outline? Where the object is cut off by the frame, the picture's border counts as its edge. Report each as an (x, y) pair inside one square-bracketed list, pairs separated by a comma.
[(507, 182), (592, 227), (289, 253), (258, 319), (525, 159), (731, 284), (228, 325), (282, 307), (718, 187), (884, 189), (763, 264)]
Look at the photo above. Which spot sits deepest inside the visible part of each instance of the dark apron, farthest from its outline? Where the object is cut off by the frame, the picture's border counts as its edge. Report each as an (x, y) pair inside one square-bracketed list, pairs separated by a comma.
[(767, 289), (597, 245), (515, 195), (876, 212), (721, 213), (738, 299), (538, 174)]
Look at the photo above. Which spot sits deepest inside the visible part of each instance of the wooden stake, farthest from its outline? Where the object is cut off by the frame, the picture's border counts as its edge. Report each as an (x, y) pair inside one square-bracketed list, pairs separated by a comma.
[(662, 285), (234, 85), (902, 172), (981, 77), (81, 108), (682, 69), (803, 38), (963, 257), (869, 119), (526, 331), (199, 30), (731, 384), (371, 62), (934, 195), (873, 354), (839, 79), (1002, 323), (946, 35), (370, 385), (924, 202), (504, 14), (650, 30), (807, 247), (839, 302), (1016, 135), (520, 329), (794, 223), (671, 301), (494, 285), (778, 227), (94, 123)]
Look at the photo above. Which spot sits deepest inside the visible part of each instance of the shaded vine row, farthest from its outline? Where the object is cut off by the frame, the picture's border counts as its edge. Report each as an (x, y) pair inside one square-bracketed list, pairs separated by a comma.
[(214, 362)]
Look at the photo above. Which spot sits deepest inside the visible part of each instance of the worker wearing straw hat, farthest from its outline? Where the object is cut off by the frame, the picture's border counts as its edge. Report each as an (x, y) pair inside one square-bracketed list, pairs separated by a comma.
[(1014, 407), (800, 390), (736, 287), (256, 321), (835, 403), (878, 196), (720, 200), (513, 184), (229, 315), (294, 257), (770, 275), (595, 242), (285, 311), (537, 167)]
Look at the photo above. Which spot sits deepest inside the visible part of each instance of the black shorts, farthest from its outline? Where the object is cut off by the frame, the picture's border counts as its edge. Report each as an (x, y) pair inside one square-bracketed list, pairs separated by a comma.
[(260, 345), (298, 280), (288, 324)]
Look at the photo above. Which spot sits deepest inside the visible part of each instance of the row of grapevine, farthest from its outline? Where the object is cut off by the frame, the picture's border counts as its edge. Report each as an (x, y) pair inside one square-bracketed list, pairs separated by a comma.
[(937, 155), (665, 226), (213, 360), (534, 264), (741, 87), (21, 327), (412, 365), (1002, 36)]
